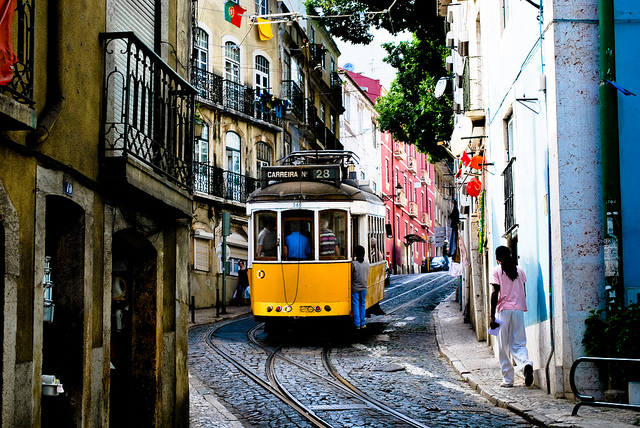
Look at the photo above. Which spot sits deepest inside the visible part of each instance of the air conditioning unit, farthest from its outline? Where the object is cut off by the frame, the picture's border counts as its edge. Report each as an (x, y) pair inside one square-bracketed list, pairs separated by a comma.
[(449, 64), (450, 40)]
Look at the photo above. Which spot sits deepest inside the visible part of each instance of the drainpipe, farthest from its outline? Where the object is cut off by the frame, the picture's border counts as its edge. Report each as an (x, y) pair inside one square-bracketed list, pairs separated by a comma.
[(55, 93), (610, 148)]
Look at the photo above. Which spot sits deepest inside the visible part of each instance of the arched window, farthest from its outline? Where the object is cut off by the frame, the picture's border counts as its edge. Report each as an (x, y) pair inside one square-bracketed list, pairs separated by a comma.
[(262, 73), (232, 62), (264, 155), (232, 141), (202, 49)]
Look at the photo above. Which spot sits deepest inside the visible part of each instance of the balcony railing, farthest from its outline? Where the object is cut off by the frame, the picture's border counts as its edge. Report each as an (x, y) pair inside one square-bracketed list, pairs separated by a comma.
[(401, 199), (294, 94), (424, 177), (227, 185), (412, 165), (21, 86), (424, 219), (413, 209), (148, 109), (398, 151), (232, 95), (509, 209)]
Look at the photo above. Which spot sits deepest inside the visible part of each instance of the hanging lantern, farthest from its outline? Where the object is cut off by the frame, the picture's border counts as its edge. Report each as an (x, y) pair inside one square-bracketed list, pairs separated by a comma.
[(477, 162), (474, 187)]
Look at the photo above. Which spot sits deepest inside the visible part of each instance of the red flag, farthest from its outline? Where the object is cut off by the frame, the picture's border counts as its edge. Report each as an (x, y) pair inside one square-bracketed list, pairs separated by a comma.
[(466, 160), (7, 54), (232, 13)]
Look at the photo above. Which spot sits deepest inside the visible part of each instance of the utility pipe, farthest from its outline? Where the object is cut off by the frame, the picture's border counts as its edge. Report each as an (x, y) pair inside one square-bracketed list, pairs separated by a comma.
[(609, 138)]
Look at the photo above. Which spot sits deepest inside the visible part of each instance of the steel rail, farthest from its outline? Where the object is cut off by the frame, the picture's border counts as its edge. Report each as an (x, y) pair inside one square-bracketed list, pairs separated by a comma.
[(257, 379)]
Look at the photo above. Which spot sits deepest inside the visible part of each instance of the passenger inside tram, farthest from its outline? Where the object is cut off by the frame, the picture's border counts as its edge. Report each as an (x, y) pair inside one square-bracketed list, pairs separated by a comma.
[(296, 245)]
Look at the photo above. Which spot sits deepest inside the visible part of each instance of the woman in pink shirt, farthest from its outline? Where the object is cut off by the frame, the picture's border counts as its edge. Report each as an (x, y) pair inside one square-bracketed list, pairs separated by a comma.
[(509, 299)]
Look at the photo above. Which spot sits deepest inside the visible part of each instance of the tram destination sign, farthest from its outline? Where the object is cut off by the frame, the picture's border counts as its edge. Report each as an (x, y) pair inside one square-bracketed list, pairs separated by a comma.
[(326, 173)]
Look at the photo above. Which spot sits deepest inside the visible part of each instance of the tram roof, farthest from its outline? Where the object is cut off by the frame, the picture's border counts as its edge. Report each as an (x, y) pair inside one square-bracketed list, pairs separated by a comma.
[(312, 191)]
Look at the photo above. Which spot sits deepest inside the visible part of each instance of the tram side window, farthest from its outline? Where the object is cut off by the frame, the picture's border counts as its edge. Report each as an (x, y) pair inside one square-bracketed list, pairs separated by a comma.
[(298, 231), (266, 244), (376, 239), (333, 232)]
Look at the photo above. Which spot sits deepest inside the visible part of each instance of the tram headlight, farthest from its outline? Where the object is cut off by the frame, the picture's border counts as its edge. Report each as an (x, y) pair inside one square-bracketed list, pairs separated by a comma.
[(318, 308), (269, 308), (327, 308), (278, 308)]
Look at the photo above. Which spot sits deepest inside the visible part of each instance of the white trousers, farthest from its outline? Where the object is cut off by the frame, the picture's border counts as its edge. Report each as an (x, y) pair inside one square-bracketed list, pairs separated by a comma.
[(512, 343)]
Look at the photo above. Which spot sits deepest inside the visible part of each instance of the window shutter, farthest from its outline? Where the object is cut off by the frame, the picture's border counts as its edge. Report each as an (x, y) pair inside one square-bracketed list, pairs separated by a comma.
[(201, 254)]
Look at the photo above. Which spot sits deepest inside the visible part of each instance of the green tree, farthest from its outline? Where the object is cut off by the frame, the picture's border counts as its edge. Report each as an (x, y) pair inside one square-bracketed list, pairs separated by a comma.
[(410, 110)]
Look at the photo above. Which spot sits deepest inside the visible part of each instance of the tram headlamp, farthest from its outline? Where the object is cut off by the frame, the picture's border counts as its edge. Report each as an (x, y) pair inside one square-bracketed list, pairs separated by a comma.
[(327, 308), (269, 308), (318, 308), (278, 308)]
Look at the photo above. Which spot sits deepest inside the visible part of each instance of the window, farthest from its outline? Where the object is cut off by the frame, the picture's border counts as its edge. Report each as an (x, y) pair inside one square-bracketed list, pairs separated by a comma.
[(323, 112), (233, 152), (376, 239), (262, 7), (201, 254), (333, 235), (332, 124), (264, 155), (347, 106), (202, 49), (232, 62), (387, 170), (266, 244), (333, 64), (298, 231), (202, 146), (262, 74), (360, 119), (287, 143)]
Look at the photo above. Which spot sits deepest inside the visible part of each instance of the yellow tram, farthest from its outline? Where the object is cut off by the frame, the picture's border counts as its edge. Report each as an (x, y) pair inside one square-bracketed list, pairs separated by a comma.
[(305, 221)]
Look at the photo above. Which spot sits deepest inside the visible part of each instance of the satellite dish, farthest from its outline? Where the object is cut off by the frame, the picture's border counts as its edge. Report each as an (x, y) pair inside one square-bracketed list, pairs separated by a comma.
[(349, 67), (441, 86), (463, 129)]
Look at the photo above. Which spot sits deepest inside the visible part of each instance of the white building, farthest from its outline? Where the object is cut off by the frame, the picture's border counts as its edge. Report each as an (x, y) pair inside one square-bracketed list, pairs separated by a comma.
[(526, 84), (358, 126)]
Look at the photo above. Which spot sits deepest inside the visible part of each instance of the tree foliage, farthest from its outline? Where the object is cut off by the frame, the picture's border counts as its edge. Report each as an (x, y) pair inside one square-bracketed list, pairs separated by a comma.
[(410, 111)]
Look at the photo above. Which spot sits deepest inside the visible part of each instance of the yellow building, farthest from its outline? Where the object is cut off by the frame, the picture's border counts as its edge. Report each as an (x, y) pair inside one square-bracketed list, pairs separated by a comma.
[(266, 86), (96, 146)]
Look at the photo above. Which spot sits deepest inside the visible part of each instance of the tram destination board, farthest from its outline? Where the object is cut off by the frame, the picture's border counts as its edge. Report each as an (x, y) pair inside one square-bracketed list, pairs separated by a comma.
[(326, 173)]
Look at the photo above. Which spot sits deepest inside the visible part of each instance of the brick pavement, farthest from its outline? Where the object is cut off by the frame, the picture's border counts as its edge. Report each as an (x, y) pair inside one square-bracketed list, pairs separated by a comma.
[(476, 363)]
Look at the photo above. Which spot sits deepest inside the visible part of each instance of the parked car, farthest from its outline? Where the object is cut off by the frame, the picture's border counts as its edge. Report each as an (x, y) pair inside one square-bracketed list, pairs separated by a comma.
[(437, 264)]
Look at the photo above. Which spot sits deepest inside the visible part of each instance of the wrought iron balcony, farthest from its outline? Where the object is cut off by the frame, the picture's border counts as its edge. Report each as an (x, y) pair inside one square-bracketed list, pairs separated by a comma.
[(472, 84), (232, 95), (148, 110), (223, 184), (21, 86), (294, 94), (412, 165)]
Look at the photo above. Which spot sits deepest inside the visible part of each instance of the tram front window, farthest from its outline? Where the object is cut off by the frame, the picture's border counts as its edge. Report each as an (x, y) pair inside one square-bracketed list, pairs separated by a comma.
[(333, 226), (266, 244), (298, 232)]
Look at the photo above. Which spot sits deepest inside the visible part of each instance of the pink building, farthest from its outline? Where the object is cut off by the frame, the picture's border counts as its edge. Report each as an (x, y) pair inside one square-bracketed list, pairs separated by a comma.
[(407, 188)]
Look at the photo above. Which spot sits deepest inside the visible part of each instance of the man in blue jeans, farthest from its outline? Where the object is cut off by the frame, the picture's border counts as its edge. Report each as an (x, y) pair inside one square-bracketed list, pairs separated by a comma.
[(296, 245), (359, 282)]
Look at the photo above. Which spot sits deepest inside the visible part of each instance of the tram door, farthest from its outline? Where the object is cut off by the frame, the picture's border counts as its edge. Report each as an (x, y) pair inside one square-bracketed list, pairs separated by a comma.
[(355, 233)]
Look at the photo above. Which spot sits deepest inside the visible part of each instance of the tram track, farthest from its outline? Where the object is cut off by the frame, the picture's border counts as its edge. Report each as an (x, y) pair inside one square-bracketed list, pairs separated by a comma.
[(331, 382), (385, 302)]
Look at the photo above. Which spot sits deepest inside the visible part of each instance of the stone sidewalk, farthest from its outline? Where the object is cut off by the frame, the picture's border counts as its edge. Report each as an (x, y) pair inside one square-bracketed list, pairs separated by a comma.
[(475, 362)]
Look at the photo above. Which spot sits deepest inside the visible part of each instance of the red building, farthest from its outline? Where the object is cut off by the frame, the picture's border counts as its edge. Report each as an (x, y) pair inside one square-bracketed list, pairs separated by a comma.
[(407, 188)]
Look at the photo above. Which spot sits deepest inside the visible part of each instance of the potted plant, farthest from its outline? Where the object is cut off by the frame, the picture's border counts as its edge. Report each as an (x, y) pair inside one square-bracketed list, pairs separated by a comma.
[(616, 334)]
